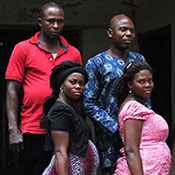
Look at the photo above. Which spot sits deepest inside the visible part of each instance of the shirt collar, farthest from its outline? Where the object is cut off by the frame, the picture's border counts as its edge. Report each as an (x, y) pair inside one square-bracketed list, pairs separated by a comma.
[(64, 44)]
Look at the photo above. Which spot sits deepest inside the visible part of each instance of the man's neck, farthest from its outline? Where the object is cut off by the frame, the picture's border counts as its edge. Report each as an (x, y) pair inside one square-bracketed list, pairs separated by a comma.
[(52, 45), (121, 53)]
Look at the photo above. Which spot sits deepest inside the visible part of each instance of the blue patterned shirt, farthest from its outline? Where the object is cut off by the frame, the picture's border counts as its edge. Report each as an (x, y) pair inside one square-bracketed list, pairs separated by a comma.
[(100, 105)]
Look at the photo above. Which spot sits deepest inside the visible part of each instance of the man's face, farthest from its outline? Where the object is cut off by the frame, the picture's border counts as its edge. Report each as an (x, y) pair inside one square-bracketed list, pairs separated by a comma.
[(122, 33), (52, 22)]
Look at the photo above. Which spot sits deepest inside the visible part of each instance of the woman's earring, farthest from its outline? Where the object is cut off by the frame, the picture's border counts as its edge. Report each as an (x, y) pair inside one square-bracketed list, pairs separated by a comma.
[(61, 90), (130, 91)]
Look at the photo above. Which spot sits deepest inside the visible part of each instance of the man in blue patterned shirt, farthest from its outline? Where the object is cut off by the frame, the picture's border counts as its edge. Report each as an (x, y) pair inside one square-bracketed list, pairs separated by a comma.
[(100, 105)]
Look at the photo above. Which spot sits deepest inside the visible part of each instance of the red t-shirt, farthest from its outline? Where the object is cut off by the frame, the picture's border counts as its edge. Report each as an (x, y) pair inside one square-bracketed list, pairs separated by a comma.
[(31, 65)]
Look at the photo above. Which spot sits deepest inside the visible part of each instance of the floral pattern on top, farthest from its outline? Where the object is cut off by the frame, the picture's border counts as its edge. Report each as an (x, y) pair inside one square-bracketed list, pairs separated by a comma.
[(155, 153)]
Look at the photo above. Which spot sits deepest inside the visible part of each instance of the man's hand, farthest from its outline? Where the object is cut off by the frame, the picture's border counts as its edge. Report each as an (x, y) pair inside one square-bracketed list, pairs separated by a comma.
[(15, 140)]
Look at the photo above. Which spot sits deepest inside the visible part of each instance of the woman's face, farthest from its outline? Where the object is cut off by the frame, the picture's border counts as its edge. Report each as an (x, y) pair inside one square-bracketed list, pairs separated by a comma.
[(142, 84), (74, 85)]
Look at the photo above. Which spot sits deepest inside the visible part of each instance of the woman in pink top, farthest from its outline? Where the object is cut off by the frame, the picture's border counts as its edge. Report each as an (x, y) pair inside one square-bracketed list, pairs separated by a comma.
[(143, 132)]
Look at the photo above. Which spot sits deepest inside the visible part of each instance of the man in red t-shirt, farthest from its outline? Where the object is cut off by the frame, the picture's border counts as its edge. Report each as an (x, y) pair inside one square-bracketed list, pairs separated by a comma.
[(29, 68)]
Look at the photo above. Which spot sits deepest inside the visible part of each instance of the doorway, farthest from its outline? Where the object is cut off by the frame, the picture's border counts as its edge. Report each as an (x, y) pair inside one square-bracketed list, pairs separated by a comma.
[(155, 45)]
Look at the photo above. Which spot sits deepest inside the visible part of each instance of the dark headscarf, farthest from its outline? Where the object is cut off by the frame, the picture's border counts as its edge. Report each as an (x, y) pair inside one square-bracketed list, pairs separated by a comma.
[(62, 71), (58, 75)]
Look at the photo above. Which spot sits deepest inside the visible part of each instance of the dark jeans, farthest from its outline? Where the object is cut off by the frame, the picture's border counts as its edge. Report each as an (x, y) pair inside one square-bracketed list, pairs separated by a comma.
[(34, 160)]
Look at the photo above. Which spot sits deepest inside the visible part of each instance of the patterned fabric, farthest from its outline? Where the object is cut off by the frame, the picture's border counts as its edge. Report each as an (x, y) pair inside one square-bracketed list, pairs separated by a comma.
[(100, 105), (155, 153), (78, 165), (50, 170)]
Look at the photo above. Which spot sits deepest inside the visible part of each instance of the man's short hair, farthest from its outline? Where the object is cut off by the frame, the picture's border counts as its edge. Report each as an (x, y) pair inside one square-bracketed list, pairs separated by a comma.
[(49, 4)]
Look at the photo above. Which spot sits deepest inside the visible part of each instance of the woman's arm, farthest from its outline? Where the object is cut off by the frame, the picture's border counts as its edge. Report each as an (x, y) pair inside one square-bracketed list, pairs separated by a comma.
[(61, 142), (132, 131)]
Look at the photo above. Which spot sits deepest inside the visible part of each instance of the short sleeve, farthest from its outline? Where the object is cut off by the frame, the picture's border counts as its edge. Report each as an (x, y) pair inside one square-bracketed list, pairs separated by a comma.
[(59, 118), (135, 110), (16, 66)]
